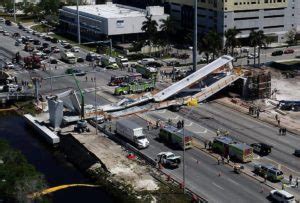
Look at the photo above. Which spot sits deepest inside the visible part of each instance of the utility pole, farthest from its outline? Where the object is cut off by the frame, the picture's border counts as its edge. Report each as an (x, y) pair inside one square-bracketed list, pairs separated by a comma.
[(195, 36), (78, 23), (96, 107), (183, 157), (15, 17)]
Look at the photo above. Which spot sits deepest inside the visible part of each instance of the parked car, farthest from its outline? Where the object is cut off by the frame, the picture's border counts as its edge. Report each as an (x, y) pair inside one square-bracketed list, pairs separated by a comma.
[(2, 20), (80, 60), (289, 51), (53, 61), (68, 46), (252, 56), (36, 42), (7, 22), (54, 40), (45, 45), (75, 49), (5, 33), (297, 152), (47, 51), (282, 196), (9, 65), (17, 43), (261, 148), (277, 53)]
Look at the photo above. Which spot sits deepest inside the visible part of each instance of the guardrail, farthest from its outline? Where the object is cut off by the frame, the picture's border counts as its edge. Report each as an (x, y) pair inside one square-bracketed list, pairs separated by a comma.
[(194, 196)]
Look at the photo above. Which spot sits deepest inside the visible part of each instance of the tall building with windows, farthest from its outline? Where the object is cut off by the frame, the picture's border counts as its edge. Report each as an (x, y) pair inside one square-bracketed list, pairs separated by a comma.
[(274, 17)]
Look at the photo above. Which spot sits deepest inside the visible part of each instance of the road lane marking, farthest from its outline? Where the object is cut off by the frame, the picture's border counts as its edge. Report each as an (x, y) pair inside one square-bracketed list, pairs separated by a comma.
[(191, 123), (218, 186), (230, 180), (201, 132)]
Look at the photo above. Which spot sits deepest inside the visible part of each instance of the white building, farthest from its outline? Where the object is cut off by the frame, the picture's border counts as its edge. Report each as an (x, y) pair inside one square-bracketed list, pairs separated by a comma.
[(98, 22)]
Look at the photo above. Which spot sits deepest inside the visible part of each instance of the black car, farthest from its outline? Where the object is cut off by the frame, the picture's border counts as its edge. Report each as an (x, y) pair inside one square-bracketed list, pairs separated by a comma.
[(277, 53), (47, 51), (36, 42), (20, 26), (54, 40), (40, 48), (7, 22), (261, 148), (68, 46), (45, 45), (80, 60), (53, 61), (297, 152)]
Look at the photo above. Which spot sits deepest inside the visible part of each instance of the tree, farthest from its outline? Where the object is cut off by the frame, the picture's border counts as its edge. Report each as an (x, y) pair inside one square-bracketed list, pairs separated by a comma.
[(231, 40), (203, 46), (168, 31), (7, 4), (257, 39), (49, 7), (149, 26), (210, 43), (215, 42), (291, 37)]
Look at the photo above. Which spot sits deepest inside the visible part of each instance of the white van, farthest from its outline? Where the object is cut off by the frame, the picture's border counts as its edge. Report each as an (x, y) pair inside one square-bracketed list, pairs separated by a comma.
[(282, 196)]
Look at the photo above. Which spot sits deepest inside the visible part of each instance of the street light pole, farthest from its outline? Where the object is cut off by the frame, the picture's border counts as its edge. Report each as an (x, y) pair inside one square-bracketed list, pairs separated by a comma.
[(96, 107), (183, 159), (78, 24), (195, 35), (15, 17)]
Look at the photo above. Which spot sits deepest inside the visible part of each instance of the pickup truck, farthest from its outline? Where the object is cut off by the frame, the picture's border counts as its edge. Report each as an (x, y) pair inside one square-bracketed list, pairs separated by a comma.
[(168, 159)]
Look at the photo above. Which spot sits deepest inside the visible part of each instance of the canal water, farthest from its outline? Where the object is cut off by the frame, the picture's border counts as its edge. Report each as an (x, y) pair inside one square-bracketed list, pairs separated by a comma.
[(48, 161)]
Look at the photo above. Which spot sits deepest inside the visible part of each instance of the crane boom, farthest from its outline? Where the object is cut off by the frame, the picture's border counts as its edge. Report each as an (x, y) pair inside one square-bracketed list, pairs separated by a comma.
[(81, 95)]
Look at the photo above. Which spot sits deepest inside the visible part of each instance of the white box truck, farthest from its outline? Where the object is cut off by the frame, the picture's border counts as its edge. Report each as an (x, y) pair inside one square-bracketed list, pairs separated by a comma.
[(132, 132)]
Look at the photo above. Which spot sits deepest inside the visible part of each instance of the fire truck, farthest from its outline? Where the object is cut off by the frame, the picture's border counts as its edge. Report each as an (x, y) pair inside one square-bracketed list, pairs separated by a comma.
[(32, 62)]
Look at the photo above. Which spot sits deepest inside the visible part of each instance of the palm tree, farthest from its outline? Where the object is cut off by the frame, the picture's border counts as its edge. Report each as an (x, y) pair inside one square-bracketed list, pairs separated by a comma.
[(257, 39), (253, 37), (215, 42), (149, 26), (231, 40), (168, 29), (261, 43)]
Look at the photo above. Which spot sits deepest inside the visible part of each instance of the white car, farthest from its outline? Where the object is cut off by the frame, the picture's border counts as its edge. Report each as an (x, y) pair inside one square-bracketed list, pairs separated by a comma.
[(75, 49), (63, 42), (252, 56), (9, 65), (282, 196), (2, 20), (5, 33)]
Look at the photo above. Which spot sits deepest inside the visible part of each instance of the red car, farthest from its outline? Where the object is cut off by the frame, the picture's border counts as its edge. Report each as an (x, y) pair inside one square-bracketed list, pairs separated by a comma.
[(288, 51)]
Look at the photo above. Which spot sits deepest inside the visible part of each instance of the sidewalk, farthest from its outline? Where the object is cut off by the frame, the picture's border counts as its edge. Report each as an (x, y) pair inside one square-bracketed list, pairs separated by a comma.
[(267, 114)]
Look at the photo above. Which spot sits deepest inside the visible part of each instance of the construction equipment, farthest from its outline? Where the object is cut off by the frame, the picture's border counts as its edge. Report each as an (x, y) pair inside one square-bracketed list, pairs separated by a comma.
[(81, 124)]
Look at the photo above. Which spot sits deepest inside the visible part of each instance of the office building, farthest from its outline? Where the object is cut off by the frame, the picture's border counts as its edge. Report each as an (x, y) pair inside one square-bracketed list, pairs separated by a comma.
[(274, 17), (99, 22)]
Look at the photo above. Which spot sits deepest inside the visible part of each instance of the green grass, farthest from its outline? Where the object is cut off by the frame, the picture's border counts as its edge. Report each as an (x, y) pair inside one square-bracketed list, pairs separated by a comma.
[(40, 28)]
